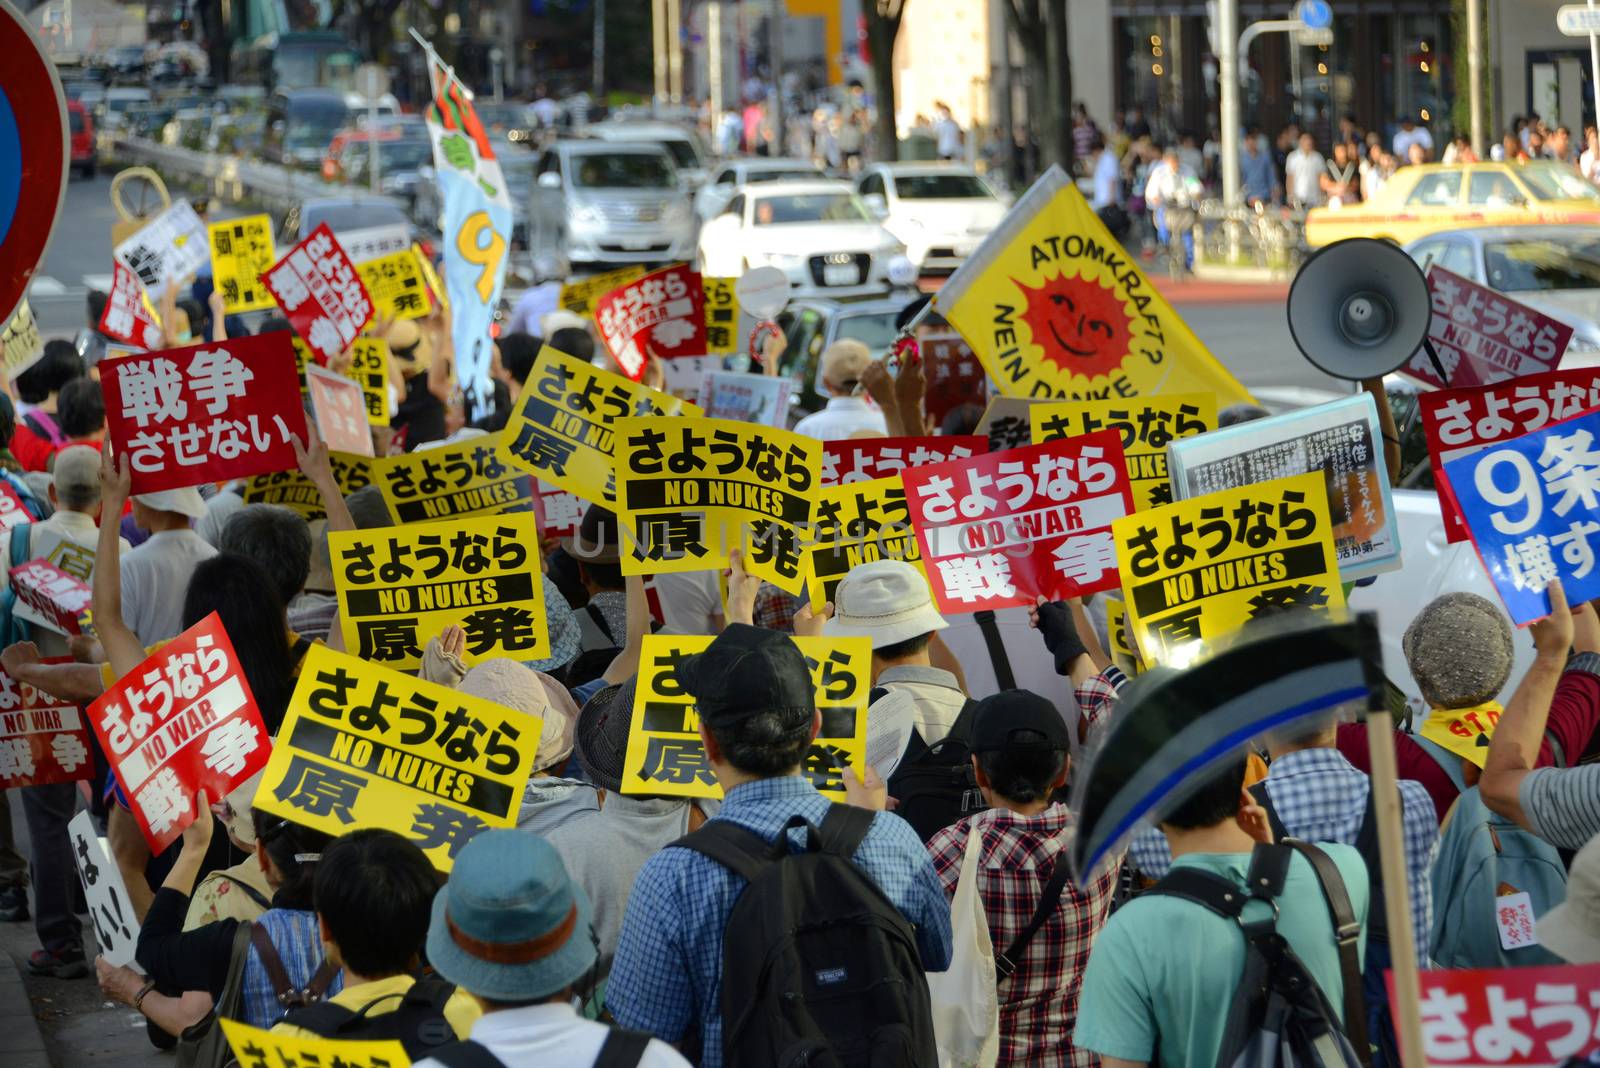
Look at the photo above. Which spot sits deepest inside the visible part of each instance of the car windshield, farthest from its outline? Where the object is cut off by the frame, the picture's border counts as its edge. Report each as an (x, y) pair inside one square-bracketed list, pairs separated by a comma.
[(940, 187), (798, 175), (682, 152), (1563, 262), (343, 218), (404, 155), (623, 170), (314, 124), (810, 208), (1557, 183), (875, 330), (500, 116)]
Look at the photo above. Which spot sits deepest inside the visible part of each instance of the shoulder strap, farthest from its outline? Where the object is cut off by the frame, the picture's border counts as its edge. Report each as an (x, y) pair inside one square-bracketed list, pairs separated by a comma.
[(298, 650), (21, 543), (1006, 963), (468, 1054), (740, 851), (622, 1049), (599, 618), (843, 829), (1448, 762), (1264, 799), (324, 1018), (251, 892), (1203, 888), (1004, 678), (1347, 933), (272, 963), (961, 729)]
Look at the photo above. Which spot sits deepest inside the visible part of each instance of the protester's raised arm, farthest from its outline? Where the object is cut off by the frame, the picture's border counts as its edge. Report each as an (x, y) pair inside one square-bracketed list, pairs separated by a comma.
[(312, 459), (626, 663), (121, 645), (77, 683), (1515, 746)]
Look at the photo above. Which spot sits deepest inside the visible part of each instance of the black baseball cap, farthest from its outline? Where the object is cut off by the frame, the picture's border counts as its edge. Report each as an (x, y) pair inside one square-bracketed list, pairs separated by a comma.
[(1001, 715), (747, 671)]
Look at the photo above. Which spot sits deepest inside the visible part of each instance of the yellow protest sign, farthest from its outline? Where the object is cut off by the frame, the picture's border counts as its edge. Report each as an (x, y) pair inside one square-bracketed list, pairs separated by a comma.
[(241, 252), (665, 756), (855, 523), (294, 490), (722, 317), (431, 276), (400, 586), (471, 477), (1201, 568), (579, 296), (1055, 307), (303, 358), (20, 341), (397, 285), (369, 366), (255, 1048), (563, 428), (364, 746), (1123, 654), (691, 490), (1146, 424)]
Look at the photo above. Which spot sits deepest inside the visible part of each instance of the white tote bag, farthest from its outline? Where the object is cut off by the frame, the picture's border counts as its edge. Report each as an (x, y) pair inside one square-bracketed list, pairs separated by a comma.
[(966, 1004)]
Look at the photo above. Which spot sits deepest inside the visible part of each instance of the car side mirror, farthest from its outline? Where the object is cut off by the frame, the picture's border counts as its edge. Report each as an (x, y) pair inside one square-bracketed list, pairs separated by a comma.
[(549, 180), (876, 204)]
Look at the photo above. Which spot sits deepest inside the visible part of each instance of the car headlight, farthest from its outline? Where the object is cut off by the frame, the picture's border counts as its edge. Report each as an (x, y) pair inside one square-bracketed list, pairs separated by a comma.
[(584, 213)]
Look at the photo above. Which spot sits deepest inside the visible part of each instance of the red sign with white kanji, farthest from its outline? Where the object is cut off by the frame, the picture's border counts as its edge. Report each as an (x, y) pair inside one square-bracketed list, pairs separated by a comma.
[(1508, 1016), (205, 413), (320, 291), (12, 509), (661, 314), (863, 459), (59, 598), (184, 720), (125, 317), (1483, 336), (953, 373), (341, 410), (560, 512), (1004, 528), (42, 740)]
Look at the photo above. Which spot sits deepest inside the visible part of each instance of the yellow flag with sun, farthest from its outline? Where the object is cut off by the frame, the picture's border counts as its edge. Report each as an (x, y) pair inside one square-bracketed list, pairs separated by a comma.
[(1054, 306)]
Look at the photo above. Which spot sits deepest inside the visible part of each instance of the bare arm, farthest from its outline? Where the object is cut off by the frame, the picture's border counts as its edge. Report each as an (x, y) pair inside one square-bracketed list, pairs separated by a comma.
[(880, 387), (131, 854), (441, 370), (219, 328), (1515, 746), (626, 663), (122, 647), (909, 388), (77, 683), (1094, 659), (313, 462)]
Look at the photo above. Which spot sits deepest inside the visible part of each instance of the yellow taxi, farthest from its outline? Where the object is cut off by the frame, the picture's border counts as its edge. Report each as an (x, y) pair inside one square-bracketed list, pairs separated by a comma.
[(1429, 197)]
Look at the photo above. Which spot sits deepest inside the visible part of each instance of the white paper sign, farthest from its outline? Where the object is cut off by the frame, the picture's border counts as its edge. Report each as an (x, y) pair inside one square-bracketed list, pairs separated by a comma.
[(1513, 914), (761, 399), (890, 721), (115, 926), (686, 374), (170, 248)]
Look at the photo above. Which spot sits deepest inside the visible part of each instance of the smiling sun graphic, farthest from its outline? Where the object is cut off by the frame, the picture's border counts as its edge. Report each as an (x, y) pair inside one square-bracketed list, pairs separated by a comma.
[(1081, 325)]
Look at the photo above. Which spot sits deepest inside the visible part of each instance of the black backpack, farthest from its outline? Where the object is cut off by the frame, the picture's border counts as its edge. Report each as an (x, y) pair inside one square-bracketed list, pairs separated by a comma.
[(418, 1023), (622, 1049), (1279, 1017), (934, 785), (818, 967)]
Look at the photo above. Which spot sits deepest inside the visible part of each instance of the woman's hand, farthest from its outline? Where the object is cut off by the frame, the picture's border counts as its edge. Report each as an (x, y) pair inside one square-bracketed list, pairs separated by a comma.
[(809, 624), (742, 590), (870, 793), (116, 484), (197, 836)]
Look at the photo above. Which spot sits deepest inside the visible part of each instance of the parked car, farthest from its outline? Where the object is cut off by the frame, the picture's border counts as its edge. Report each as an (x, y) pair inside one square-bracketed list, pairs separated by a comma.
[(400, 163), (1426, 198), (818, 233), (300, 123), (367, 226), (118, 102), (80, 128), (940, 211), (599, 202), (688, 154), (811, 324), (748, 170)]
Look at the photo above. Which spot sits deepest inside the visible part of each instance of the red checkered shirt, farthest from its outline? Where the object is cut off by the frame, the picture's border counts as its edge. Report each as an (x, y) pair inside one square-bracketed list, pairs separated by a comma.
[(1039, 1003)]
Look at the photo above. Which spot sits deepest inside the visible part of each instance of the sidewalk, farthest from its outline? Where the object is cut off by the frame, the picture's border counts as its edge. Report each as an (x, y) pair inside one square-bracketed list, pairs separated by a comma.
[(23, 1040)]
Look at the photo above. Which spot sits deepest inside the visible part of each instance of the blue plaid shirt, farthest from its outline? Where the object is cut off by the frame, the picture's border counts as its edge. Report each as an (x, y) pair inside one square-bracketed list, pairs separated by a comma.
[(667, 973)]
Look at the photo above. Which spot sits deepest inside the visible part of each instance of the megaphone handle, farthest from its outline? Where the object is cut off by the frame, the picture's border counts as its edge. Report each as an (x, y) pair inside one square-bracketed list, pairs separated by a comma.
[(1386, 427)]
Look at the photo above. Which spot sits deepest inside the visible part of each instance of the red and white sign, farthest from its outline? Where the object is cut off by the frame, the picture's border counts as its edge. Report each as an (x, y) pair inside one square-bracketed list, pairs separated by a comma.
[(58, 599), (1483, 336), (341, 409), (661, 314), (33, 168), (953, 373), (864, 459), (12, 509), (1478, 1018), (1459, 422), (560, 512), (184, 720), (125, 317), (322, 294), (42, 740), (1004, 528), (205, 413)]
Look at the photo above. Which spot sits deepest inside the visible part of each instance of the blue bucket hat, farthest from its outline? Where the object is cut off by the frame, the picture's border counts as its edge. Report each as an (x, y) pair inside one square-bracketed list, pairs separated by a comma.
[(511, 925)]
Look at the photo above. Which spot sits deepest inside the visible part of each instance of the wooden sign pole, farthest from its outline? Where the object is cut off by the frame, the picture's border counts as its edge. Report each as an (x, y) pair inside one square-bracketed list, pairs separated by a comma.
[(1396, 888)]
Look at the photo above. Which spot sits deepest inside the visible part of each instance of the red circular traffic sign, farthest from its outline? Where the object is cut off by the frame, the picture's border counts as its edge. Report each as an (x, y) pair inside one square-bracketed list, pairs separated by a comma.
[(34, 156)]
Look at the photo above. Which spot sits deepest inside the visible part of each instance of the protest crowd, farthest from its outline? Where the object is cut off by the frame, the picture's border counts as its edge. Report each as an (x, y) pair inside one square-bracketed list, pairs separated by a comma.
[(379, 689)]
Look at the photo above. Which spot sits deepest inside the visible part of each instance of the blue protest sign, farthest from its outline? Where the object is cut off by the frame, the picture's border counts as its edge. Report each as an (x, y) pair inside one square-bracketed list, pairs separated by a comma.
[(1532, 504)]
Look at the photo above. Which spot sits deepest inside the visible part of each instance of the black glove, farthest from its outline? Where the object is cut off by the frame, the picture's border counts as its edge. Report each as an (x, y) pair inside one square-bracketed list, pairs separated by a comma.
[(1060, 635)]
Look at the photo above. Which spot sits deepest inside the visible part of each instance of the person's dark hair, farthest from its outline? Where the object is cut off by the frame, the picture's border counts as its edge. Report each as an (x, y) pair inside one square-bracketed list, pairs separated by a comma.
[(198, 317), (97, 307), (1023, 775), (277, 539), (1216, 801), (59, 365), (283, 841), (273, 324), (766, 744), (81, 408), (909, 647), (1096, 142), (374, 891), (606, 576), (367, 508), (244, 598), (517, 353), (962, 419), (574, 341), (1243, 412)]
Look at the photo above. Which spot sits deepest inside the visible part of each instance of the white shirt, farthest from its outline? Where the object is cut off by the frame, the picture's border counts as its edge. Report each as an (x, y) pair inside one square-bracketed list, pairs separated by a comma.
[(841, 418), (532, 307), (45, 540), (552, 1033), (949, 136), (691, 601), (1303, 173), (1419, 135), (1167, 186), (155, 580), (1107, 180)]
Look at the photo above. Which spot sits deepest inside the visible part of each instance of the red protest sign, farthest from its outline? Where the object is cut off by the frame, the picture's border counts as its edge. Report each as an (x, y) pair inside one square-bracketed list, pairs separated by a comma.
[(560, 512), (953, 374), (1483, 336), (60, 600), (662, 313), (42, 740), (12, 508), (1507, 1016), (1001, 529), (204, 413), (341, 410), (1459, 422), (320, 291), (863, 459), (125, 316), (184, 720)]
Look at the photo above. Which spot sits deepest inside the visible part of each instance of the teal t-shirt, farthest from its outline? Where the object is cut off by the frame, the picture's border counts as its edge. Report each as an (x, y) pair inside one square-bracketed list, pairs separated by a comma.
[(1163, 971)]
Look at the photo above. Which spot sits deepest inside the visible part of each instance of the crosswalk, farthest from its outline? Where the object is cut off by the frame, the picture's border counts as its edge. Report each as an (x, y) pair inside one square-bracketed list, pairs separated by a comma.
[(46, 287)]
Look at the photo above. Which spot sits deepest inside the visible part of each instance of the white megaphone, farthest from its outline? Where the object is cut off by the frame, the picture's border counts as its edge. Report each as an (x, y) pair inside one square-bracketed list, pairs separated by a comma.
[(1360, 308)]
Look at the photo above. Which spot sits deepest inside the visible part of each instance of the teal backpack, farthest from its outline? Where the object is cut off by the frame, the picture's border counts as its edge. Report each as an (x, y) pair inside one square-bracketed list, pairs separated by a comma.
[(12, 629)]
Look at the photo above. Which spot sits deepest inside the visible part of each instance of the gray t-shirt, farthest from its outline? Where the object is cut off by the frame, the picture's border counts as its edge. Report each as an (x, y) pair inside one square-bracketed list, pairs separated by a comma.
[(1563, 804), (155, 580)]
